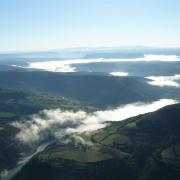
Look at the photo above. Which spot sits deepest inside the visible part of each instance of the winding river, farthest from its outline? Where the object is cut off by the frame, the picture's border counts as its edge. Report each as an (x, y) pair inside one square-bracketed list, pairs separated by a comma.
[(12, 172)]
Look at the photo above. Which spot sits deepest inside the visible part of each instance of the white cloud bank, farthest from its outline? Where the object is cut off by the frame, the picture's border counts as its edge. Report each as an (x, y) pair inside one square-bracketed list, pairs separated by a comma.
[(67, 65), (163, 81), (161, 58), (119, 74), (57, 123)]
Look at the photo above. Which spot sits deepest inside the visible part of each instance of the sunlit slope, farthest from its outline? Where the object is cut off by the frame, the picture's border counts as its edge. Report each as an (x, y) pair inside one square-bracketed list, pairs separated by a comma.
[(144, 147)]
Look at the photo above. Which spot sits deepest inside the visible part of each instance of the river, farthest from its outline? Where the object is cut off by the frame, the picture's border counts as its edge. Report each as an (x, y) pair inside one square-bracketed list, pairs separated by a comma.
[(12, 172)]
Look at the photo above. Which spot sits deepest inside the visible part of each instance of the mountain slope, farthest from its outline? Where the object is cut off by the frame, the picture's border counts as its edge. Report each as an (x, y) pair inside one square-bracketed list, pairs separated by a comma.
[(95, 90), (140, 148), (16, 106)]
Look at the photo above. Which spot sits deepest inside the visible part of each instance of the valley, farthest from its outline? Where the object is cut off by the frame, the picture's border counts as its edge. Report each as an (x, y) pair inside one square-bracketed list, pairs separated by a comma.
[(107, 119)]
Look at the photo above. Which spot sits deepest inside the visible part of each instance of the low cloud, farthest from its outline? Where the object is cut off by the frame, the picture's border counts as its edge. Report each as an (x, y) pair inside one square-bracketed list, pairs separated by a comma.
[(54, 66), (67, 65), (162, 81), (161, 58), (119, 74), (57, 123)]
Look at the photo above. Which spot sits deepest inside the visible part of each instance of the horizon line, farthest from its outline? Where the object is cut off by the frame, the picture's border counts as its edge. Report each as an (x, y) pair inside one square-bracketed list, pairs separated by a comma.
[(83, 48)]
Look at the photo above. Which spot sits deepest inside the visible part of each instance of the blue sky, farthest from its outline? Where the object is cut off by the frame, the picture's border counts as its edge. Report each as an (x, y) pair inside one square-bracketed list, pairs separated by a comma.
[(27, 25)]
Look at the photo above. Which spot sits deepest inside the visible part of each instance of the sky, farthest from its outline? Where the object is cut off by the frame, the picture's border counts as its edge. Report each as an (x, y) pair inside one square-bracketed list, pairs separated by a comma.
[(33, 25)]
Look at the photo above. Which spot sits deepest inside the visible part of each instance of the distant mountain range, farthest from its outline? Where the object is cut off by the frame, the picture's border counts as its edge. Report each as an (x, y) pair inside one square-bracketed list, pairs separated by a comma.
[(96, 52)]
